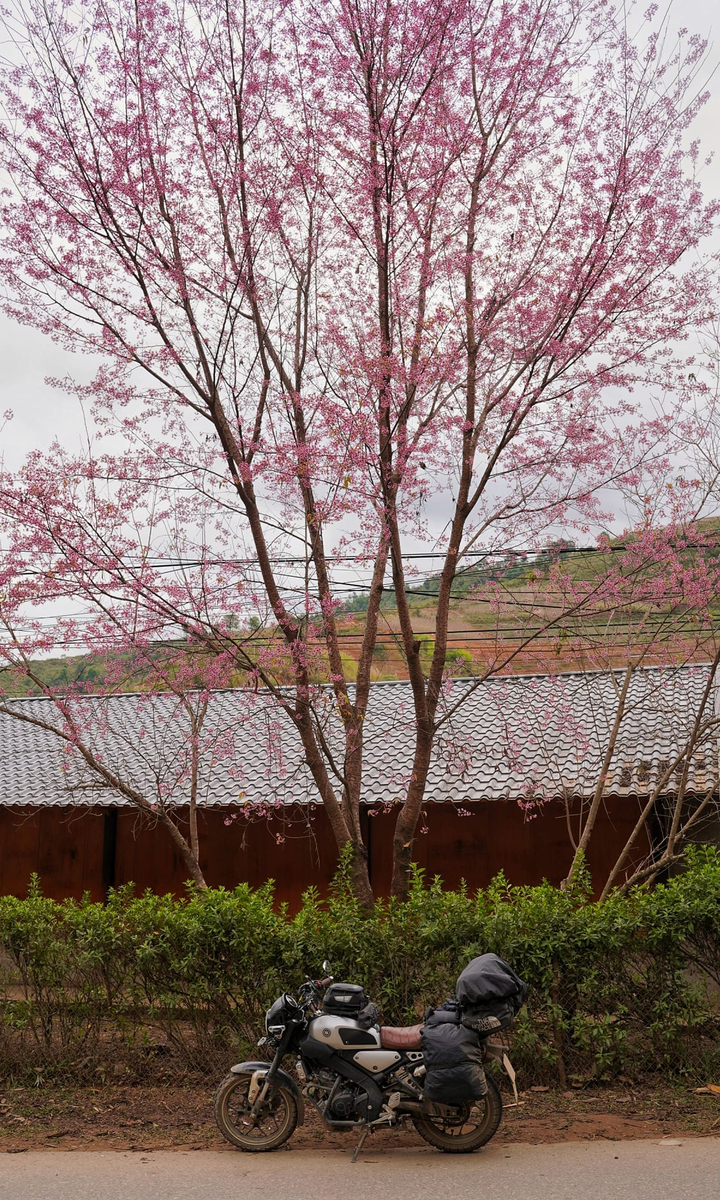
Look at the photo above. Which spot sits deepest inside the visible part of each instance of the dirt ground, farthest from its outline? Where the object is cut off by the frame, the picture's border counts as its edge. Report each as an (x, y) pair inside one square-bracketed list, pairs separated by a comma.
[(164, 1118)]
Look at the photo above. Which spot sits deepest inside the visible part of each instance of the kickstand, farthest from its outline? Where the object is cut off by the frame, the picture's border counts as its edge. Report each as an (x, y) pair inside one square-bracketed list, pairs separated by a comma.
[(361, 1143)]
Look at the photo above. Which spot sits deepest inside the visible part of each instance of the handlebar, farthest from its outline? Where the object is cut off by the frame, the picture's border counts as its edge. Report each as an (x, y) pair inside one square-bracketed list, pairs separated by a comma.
[(311, 990)]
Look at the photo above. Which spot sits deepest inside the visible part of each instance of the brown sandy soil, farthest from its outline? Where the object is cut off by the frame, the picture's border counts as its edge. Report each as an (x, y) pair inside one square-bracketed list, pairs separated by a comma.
[(164, 1118)]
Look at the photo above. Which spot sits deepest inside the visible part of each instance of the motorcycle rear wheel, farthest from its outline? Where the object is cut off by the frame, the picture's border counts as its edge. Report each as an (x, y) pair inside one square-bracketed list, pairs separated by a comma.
[(274, 1124), (479, 1122)]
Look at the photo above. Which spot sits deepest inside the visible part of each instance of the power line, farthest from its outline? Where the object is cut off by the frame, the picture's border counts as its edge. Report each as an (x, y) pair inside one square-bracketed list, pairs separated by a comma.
[(511, 552), (512, 633)]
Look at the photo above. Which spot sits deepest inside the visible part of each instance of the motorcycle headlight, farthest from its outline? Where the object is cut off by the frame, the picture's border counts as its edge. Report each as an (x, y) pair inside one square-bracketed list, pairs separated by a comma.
[(274, 1022), (281, 1013)]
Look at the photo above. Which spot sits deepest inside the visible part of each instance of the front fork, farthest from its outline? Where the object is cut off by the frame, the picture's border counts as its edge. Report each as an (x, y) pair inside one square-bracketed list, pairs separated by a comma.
[(262, 1080)]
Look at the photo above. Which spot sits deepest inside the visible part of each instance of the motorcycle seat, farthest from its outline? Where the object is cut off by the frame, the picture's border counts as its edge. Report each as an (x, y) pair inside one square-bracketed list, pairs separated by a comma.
[(400, 1038)]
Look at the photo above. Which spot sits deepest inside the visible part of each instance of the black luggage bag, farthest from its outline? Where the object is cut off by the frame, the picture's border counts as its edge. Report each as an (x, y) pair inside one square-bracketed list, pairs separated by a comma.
[(490, 994), (453, 1059), (488, 997)]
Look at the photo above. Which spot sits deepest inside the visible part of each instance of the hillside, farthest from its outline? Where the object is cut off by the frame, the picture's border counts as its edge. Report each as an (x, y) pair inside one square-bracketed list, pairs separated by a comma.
[(477, 635)]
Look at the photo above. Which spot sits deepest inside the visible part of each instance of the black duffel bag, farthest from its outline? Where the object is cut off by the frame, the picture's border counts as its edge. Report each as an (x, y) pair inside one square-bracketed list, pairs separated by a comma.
[(490, 994), (453, 1059)]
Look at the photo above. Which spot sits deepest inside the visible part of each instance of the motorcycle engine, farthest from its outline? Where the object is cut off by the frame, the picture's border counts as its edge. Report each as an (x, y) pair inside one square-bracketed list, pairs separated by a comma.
[(348, 1105)]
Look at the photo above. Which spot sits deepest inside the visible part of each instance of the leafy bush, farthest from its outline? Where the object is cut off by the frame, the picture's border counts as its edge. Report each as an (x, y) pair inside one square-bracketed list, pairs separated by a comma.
[(630, 985)]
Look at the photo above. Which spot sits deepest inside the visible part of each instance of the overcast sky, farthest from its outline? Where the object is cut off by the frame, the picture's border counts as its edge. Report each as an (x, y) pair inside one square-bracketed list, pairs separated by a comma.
[(42, 413)]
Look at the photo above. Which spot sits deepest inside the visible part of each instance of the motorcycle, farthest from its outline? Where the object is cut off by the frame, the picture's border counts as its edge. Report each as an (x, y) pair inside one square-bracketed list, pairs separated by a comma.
[(356, 1076)]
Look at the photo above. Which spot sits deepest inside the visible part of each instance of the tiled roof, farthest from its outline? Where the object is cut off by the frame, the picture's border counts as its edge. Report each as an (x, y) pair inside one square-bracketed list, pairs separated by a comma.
[(512, 737)]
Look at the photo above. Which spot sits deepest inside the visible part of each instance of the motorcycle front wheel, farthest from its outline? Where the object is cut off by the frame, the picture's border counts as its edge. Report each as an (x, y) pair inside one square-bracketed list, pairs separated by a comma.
[(475, 1124), (274, 1124)]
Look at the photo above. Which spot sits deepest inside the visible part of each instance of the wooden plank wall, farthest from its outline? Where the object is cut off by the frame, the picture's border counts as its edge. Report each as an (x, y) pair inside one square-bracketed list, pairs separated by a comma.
[(64, 846), (79, 849), (240, 852), (498, 837)]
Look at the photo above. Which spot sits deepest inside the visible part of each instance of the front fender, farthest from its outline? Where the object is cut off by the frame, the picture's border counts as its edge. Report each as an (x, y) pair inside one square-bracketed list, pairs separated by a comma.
[(282, 1076)]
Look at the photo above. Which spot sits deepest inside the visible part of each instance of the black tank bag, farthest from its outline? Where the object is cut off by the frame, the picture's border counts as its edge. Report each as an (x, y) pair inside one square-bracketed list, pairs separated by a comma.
[(345, 1000)]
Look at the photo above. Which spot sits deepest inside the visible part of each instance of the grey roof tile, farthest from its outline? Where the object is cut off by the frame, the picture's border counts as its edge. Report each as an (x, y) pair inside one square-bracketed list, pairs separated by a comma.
[(510, 737)]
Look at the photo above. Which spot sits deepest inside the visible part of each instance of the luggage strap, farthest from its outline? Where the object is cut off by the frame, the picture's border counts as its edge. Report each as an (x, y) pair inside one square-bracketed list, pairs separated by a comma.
[(498, 1052)]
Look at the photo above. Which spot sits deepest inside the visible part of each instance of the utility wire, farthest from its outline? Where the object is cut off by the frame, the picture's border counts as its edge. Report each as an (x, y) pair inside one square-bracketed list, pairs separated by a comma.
[(511, 552)]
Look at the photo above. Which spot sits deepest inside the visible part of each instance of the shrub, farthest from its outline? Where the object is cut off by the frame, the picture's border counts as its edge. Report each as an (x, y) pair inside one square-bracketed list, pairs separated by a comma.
[(630, 985)]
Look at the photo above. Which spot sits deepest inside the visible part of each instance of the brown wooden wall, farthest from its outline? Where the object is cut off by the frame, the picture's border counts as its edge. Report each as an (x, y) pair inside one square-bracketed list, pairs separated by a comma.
[(83, 849), (497, 836), (241, 852), (64, 846)]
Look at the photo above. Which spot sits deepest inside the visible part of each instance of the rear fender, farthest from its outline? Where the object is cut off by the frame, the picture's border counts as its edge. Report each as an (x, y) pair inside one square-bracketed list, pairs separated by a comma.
[(260, 1070)]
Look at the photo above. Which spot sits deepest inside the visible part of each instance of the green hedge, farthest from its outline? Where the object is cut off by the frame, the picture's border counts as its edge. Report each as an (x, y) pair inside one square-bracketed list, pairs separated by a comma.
[(149, 984)]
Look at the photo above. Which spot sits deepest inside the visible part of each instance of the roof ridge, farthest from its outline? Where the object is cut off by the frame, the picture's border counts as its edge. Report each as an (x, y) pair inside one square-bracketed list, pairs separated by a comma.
[(376, 683)]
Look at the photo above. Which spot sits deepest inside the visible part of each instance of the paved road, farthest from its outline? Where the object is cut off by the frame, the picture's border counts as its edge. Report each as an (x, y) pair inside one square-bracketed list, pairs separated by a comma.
[(642, 1170)]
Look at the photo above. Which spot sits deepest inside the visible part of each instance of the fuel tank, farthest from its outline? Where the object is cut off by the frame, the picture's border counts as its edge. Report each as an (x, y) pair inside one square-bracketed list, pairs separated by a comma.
[(342, 1033)]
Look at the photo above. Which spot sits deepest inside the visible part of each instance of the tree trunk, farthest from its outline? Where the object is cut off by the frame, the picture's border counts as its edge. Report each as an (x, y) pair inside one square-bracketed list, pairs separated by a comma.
[(188, 857), (402, 862), (586, 834), (361, 886)]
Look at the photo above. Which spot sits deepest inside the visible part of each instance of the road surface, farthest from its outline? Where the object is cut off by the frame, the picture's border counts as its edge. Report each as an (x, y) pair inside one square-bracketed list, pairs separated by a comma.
[(678, 1169)]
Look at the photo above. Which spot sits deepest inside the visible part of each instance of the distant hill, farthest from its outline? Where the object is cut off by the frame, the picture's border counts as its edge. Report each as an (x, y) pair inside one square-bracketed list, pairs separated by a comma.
[(474, 628)]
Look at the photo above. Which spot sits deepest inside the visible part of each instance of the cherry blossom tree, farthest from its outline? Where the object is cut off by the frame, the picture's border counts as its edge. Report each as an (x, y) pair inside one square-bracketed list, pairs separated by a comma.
[(637, 713), (365, 278)]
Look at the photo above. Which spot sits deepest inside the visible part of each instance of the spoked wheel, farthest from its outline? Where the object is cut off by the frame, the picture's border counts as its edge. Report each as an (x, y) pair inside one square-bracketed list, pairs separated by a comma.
[(474, 1125), (273, 1125)]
